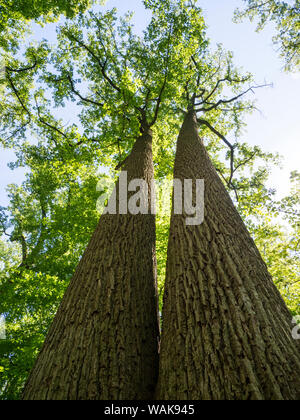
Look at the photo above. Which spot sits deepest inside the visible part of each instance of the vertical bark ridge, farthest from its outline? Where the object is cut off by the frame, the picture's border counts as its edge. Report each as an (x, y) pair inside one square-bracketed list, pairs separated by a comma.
[(103, 343), (227, 333)]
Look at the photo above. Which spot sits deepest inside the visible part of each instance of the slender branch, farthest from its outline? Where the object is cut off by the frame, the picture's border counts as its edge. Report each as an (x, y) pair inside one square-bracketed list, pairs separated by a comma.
[(17, 131), (10, 69), (96, 58), (201, 121), (257, 6), (228, 101), (232, 187), (16, 92), (159, 99), (145, 107), (90, 101), (244, 162), (52, 127), (200, 95), (226, 79)]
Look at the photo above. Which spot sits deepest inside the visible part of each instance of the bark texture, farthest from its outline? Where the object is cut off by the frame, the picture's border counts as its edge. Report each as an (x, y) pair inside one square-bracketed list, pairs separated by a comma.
[(103, 343), (227, 333)]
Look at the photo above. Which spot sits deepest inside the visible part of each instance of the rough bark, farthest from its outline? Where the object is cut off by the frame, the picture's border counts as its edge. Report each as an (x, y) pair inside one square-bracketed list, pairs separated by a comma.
[(103, 343), (227, 333)]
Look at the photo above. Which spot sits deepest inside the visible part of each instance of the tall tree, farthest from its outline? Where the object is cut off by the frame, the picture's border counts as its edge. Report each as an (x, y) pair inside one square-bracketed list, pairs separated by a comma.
[(226, 330), (103, 343)]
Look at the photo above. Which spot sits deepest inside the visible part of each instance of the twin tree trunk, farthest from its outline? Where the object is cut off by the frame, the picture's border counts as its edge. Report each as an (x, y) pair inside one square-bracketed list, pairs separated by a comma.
[(227, 333), (226, 330), (103, 343)]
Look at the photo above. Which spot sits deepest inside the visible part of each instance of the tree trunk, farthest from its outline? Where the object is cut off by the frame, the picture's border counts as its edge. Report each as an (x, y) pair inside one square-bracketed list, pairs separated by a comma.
[(103, 343), (227, 333)]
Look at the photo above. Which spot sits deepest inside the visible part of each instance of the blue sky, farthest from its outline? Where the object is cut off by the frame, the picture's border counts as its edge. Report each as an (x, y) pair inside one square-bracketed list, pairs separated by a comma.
[(276, 128)]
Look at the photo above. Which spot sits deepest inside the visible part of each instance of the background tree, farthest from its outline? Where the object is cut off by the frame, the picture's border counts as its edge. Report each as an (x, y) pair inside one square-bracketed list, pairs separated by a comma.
[(286, 18)]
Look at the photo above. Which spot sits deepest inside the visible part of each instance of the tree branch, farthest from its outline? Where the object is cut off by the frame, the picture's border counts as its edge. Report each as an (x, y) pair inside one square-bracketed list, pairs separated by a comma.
[(52, 127), (201, 121), (10, 69), (90, 101), (227, 101), (96, 58), (16, 92), (226, 79)]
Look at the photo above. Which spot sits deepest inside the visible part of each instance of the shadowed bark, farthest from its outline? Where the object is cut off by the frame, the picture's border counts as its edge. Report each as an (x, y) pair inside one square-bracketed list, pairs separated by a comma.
[(227, 333), (103, 343)]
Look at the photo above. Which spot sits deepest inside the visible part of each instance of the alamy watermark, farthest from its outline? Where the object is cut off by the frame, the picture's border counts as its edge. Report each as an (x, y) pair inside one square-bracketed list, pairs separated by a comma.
[(2, 328), (296, 329), (137, 197)]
